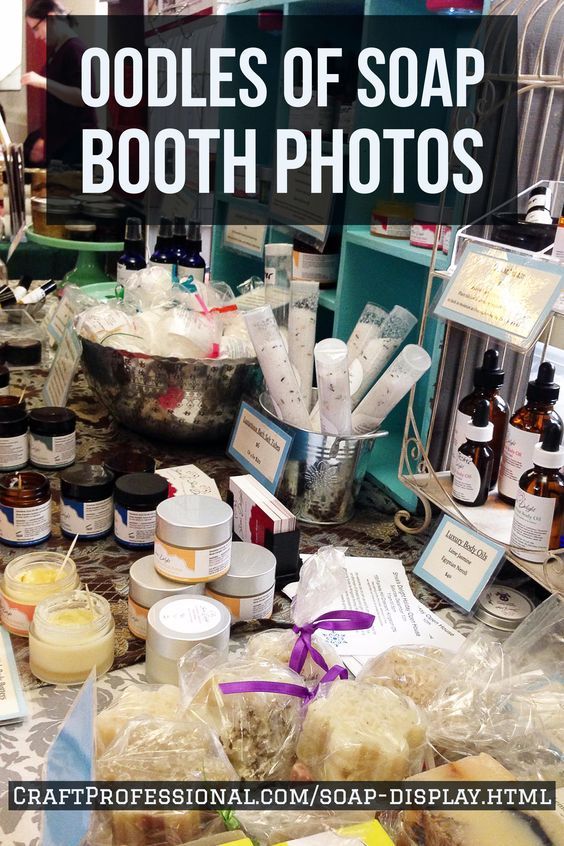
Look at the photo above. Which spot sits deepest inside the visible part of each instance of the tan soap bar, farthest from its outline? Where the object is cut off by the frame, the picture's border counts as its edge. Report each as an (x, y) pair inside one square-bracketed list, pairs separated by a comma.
[(220, 839), (475, 827)]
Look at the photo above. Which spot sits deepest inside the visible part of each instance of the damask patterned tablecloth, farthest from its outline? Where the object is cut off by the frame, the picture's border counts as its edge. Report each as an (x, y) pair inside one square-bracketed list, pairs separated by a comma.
[(104, 566)]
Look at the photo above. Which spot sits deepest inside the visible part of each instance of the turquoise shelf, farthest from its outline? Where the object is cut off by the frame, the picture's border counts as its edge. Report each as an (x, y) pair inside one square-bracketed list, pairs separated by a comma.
[(395, 247), (327, 298)]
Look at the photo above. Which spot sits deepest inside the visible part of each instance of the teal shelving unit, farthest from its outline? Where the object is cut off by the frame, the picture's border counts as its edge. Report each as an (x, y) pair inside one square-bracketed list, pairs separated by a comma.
[(380, 270)]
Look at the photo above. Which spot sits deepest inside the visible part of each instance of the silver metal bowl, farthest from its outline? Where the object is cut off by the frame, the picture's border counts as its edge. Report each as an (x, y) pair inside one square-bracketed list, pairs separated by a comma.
[(169, 398)]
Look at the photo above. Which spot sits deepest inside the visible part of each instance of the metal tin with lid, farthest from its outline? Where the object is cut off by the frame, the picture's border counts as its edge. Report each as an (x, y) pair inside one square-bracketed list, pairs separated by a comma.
[(247, 590), (146, 588), (502, 607), (193, 538), (176, 624)]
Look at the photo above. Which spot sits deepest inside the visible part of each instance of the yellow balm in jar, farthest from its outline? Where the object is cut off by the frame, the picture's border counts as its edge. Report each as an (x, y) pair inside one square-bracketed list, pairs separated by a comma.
[(28, 579), (70, 635)]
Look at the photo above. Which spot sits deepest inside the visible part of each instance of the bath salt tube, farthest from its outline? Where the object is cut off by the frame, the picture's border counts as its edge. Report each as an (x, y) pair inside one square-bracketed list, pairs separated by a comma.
[(391, 387), (378, 351), (273, 358), (368, 327), (332, 369), (304, 298), (277, 277)]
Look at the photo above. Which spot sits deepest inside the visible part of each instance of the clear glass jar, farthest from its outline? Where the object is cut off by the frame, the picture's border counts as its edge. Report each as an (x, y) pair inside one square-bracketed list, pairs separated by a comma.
[(70, 635), (28, 579)]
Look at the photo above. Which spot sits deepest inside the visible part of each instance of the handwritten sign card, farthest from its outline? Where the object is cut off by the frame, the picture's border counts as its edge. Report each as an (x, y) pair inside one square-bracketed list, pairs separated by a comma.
[(260, 446)]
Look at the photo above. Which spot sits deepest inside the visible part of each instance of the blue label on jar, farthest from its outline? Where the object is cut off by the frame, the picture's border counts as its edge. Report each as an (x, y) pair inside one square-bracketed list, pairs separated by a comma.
[(86, 519), (134, 528), (25, 526)]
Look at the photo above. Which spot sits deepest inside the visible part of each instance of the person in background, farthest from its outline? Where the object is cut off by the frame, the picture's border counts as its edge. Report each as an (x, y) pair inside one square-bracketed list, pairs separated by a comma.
[(67, 115)]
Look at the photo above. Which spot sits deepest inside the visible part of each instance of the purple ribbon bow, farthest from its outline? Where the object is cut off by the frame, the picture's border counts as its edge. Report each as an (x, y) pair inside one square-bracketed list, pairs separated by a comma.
[(335, 621), (285, 688)]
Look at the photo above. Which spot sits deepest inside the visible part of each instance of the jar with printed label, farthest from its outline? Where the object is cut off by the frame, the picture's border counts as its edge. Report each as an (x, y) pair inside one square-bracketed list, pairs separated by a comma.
[(70, 635), (52, 437), (247, 590), (175, 625), (193, 538), (14, 446), (146, 588), (87, 504), (136, 497), (30, 578), (25, 509)]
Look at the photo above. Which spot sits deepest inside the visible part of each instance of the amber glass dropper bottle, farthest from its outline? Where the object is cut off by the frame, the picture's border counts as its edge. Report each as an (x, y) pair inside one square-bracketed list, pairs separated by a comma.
[(474, 463)]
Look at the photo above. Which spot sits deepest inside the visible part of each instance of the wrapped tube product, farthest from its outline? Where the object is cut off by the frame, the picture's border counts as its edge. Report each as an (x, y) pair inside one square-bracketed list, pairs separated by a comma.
[(378, 349), (254, 706), (322, 582), (331, 365), (277, 277), (402, 374), (304, 297), (368, 327), (275, 364), (361, 732)]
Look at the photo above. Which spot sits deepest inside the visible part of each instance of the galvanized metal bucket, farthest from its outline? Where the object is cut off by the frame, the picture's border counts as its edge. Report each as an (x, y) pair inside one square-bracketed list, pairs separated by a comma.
[(323, 473)]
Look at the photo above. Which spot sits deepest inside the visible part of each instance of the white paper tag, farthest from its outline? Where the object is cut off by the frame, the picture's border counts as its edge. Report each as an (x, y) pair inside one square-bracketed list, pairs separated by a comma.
[(62, 372)]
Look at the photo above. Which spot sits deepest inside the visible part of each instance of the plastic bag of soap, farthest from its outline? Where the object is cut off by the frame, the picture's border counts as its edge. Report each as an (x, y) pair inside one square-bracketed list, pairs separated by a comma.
[(416, 671), (322, 581), (188, 334), (354, 731), (136, 700), (148, 288), (156, 749), (507, 699), (110, 324), (258, 728), (268, 828)]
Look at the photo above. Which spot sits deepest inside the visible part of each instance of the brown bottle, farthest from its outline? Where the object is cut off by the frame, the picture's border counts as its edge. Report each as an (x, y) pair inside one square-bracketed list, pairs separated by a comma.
[(475, 458), (487, 380), (539, 506), (525, 429)]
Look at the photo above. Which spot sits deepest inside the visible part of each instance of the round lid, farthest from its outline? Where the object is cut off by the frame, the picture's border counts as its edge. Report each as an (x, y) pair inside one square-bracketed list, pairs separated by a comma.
[(502, 607), (61, 204), (12, 413), (81, 227), (90, 479), (429, 213), (4, 377), (147, 587), (141, 488), (194, 521), (489, 375), (23, 351), (52, 414), (176, 622), (544, 388), (252, 571), (125, 461)]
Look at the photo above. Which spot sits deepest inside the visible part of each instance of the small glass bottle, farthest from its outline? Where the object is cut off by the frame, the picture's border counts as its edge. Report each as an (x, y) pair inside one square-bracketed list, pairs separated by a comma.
[(69, 635), (25, 509), (192, 264), (487, 380), (539, 506), (163, 254), (133, 256), (475, 459), (525, 428)]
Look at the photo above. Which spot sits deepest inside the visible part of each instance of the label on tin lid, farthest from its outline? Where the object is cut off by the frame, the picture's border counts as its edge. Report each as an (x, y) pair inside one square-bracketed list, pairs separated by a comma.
[(505, 602), (190, 616)]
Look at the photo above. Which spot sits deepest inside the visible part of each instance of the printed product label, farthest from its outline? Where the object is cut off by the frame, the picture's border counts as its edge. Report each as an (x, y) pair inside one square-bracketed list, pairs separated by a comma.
[(391, 227), (539, 216), (246, 607), (422, 235), (517, 458), (193, 618), (15, 616), (459, 437), (320, 268), (191, 565), (137, 619), (136, 528), (25, 526), (467, 481), (446, 233), (91, 519), (14, 452), (49, 451), (502, 600), (532, 525), (4, 392)]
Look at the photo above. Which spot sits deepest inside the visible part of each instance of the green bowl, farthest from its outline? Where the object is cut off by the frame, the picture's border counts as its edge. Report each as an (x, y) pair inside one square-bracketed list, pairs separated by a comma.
[(102, 291)]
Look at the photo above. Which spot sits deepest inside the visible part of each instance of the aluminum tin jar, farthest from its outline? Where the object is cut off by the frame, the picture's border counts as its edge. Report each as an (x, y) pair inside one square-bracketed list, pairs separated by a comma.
[(146, 588), (247, 590)]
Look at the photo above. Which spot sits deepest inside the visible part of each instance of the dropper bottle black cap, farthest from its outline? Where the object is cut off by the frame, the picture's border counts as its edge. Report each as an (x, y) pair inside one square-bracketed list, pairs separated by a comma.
[(481, 416), (479, 428), (548, 453), (544, 388), (194, 236), (490, 374)]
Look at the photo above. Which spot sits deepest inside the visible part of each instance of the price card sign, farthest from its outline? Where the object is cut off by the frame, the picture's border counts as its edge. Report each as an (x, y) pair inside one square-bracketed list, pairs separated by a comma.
[(62, 372), (459, 563), (260, 446), (502, 294), (242, 236)]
